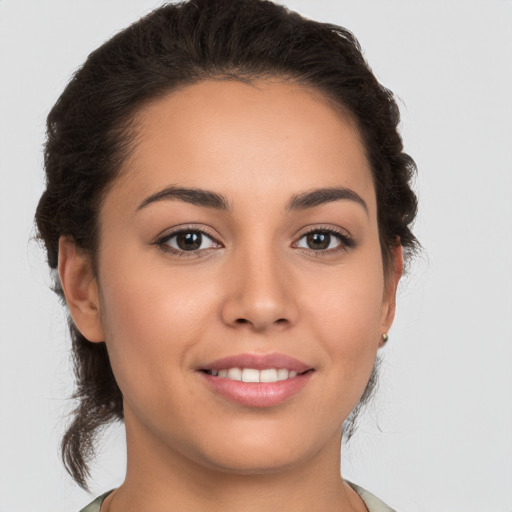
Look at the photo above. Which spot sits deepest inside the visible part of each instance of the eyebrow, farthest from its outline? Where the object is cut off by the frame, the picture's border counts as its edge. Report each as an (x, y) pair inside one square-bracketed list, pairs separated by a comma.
[(196, 196), (209, 199), (321, 196)]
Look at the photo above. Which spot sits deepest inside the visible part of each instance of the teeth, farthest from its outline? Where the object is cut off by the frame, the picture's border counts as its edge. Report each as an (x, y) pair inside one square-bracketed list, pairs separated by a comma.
[(269, 375), (253, 375), (282, 374), (234, 374), (250, 375)]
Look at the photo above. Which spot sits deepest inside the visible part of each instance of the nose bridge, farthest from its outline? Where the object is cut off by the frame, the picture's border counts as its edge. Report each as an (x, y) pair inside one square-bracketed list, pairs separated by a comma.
[(260, 293)]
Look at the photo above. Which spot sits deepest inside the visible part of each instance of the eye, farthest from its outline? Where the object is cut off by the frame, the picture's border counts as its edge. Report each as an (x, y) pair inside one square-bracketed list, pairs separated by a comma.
[(324, 240), (187, 240)]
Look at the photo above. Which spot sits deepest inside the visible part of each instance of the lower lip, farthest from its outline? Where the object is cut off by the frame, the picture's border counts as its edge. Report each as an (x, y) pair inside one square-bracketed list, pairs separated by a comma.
[(257, 394)]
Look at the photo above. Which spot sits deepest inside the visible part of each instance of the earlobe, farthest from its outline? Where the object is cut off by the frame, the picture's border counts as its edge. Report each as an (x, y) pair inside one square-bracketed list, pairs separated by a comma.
[(389, 302), (80, 289)]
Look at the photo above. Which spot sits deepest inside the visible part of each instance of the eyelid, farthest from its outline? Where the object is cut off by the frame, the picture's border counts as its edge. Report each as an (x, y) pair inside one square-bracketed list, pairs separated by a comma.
[(346, 241), (162, 239), (345, 238)]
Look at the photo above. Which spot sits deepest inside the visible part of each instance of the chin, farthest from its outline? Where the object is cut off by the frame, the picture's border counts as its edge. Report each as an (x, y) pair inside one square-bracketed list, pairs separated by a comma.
[(258, 462), (264, 451)]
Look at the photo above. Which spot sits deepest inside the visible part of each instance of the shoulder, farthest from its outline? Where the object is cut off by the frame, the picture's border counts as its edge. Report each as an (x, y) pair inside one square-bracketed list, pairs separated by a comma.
[(96, 504), (372, 502)]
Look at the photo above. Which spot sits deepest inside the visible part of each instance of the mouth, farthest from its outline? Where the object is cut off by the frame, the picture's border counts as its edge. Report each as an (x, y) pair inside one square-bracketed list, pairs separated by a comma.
[(256, 380), (266, 375)]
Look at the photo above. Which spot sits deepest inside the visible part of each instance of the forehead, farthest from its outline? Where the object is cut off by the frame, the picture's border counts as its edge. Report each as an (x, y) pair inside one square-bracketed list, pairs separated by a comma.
[(267, 136)]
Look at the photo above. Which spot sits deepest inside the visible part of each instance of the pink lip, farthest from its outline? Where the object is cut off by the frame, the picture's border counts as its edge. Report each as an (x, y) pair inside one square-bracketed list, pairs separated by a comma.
[(258, 362), (257, 394)]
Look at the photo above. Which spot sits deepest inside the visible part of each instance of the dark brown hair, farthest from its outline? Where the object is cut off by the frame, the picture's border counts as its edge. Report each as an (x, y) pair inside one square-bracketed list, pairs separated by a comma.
[(91, 127)]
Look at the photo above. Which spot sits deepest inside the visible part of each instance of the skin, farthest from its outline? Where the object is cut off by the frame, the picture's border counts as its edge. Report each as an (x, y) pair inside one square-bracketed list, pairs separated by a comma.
[(255, 287)]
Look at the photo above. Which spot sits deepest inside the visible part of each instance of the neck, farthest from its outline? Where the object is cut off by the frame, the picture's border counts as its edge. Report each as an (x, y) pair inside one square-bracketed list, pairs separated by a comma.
[(159, 479)]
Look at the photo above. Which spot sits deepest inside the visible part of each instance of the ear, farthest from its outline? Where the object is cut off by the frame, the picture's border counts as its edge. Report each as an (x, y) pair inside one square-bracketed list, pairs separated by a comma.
[(389, 299), (80, 289)]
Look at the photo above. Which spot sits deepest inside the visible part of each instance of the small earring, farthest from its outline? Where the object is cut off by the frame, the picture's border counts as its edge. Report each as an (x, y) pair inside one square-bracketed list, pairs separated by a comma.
[(385, 337)]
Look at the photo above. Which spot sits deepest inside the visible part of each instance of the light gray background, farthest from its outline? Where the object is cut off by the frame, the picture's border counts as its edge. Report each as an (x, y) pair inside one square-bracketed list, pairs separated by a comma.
[(439, 435)]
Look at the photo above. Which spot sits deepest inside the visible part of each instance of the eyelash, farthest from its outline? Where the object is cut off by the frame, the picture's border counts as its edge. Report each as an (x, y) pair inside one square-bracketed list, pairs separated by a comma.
[(163, 242), (346, 242)]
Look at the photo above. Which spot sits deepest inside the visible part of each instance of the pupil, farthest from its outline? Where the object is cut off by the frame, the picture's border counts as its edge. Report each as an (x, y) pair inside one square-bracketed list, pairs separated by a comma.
[(189, 241), (318, 241)]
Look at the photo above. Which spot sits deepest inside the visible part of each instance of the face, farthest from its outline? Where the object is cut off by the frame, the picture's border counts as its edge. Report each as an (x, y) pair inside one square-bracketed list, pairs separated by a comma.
[(240, 242)]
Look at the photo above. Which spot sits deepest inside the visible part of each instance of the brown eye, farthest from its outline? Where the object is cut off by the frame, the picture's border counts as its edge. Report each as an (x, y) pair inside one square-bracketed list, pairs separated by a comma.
[(188, 241), (318, 241), (323, 240)]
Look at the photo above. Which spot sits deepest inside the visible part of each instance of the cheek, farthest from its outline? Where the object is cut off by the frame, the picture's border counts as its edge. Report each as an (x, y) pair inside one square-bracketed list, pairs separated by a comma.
[(151, 321), (349, 299), (346, 314)]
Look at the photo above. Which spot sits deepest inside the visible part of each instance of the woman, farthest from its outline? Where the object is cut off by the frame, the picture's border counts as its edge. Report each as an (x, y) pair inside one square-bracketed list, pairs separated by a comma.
[(228, 206)]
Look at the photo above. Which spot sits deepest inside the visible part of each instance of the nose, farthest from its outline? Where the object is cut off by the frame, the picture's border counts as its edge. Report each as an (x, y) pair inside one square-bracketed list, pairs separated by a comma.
[(260, 292)]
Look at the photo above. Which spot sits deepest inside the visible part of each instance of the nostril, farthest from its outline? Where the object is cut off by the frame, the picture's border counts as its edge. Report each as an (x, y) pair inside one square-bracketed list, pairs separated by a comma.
[(245, 321)]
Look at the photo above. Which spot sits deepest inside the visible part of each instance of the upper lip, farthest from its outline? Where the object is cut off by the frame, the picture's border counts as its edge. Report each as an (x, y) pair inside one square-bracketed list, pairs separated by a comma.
[(258, 362)]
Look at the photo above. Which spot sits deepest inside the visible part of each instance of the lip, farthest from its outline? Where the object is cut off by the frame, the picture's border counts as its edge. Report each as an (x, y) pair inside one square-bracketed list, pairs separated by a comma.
[(258, 362), (257, 394)]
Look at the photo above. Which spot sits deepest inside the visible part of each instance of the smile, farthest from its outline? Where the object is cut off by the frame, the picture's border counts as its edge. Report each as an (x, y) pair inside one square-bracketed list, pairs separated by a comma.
[(254, 375), (256, 380)]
